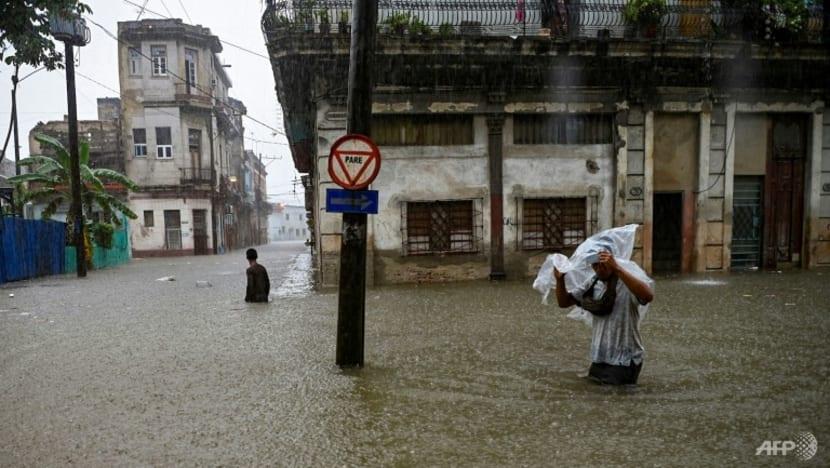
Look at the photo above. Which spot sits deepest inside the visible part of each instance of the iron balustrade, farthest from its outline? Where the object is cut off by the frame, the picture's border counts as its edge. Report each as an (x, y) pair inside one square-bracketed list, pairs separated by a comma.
[(193, 175), (683, 19)]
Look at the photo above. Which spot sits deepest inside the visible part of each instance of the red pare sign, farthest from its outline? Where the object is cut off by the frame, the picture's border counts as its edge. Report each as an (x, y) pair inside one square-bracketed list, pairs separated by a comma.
[(354, 161)]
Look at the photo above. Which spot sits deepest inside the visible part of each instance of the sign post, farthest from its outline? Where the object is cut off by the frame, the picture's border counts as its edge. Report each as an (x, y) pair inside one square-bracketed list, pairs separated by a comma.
[(351, 298)]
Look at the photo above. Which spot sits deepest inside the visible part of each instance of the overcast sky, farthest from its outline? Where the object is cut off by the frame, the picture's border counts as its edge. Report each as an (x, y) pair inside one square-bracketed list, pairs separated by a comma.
[(42, 96)]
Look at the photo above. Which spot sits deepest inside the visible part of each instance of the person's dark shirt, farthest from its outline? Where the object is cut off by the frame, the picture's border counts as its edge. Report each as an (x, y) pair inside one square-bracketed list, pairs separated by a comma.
[(258, 284)]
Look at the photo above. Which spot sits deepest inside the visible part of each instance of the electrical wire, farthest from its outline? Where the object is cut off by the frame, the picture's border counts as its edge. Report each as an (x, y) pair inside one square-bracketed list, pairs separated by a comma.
[(185, 12), (171, 74)]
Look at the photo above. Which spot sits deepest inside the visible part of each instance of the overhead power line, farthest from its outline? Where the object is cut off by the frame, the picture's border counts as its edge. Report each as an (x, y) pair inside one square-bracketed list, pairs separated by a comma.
[(185, 12), (170, 74), (245, 49)]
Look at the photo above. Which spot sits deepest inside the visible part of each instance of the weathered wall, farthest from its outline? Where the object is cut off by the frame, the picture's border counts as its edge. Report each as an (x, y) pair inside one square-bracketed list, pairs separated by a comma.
[(150, 240), (675, 152), (820, 221), (750, 144), (550, 171), (415, 173)]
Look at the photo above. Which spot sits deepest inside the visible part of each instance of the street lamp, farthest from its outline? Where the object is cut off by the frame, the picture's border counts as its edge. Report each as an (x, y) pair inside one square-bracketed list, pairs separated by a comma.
[(72, 31)]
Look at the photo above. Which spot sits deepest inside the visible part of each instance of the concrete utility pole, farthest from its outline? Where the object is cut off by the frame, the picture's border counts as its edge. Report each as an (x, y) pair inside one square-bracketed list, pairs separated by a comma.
[(73, 32), (351, 301), (14, 122), (75, 163)]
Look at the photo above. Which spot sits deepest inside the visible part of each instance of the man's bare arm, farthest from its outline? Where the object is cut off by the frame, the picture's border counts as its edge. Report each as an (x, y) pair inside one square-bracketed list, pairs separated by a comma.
[(563, 298), (637, 287)]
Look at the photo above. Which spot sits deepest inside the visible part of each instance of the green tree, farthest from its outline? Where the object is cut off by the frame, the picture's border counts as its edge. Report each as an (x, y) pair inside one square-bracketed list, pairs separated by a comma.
[(52, 185), (24, 27)]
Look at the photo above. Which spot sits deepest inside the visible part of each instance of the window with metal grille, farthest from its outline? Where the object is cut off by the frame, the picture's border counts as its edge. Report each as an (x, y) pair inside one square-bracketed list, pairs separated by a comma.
[(562, 129), (441, 227), (554, 223), (422, 130)]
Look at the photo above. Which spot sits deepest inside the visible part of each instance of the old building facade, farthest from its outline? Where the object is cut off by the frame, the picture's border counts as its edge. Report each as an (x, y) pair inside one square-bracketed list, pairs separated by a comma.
[(288, 223), (105, 147), (183, 138), (508, 134)]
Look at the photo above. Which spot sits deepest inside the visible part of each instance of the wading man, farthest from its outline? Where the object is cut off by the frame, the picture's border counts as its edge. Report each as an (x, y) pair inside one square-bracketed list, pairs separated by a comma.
[(611, 296), (258, 284)]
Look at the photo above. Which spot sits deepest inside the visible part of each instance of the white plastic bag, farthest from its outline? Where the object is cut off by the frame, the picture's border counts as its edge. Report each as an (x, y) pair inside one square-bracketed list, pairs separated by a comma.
[(619, 240)]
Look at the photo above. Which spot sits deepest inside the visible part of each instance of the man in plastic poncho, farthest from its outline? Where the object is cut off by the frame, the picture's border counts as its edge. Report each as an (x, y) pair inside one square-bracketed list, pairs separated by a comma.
[(611, 295)]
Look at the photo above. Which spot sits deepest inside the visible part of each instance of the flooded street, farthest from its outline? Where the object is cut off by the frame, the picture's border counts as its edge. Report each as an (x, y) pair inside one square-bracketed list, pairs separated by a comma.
[(121, 369)]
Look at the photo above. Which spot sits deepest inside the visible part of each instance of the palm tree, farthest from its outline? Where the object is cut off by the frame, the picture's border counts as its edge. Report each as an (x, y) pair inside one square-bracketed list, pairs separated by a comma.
[(52, 176)]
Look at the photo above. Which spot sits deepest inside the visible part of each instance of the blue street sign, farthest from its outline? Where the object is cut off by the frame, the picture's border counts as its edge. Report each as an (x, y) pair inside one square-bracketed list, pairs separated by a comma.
[(351, 201)]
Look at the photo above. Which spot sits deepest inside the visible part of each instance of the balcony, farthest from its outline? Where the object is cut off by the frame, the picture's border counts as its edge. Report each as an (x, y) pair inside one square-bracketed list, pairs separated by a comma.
[(195, 176), (189, 95), (574, 19)]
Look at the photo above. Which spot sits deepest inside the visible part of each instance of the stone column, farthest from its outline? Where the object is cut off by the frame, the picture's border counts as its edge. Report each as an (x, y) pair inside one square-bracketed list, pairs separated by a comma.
[(813, 189), (648, 190), (729, 183), (495, 142), (702, 189)]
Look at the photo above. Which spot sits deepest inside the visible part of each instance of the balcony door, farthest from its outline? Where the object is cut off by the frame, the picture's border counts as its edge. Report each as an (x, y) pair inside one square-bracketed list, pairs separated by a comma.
[(194, 144)]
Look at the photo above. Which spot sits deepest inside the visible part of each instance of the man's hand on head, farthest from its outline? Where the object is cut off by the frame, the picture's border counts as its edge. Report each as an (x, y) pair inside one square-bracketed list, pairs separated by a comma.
[(607, 258)]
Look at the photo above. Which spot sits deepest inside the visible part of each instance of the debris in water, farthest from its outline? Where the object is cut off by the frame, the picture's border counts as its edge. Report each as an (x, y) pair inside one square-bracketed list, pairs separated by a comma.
[(167, 278), (747, 295), (705, 282), (11, 295), (203, 284), (789, 304)]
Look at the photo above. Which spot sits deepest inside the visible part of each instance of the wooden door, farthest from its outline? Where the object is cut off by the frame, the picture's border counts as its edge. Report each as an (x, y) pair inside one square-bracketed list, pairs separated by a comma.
[(200, 238), (784, 201)]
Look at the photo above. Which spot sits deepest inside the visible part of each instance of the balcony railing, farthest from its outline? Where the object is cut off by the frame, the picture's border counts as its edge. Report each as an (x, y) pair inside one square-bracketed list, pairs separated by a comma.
[(193, 95), (195, 176), (683, 19)]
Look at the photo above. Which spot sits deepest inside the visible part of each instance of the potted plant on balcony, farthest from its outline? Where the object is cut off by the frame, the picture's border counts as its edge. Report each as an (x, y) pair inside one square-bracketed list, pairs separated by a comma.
[(418, 28), (646, 15), (343, 24), (446, 30), (305, 15), (325, 22), (397, 23), (784, 20)]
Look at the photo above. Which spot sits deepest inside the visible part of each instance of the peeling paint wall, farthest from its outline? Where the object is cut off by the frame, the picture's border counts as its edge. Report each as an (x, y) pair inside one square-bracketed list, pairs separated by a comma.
[(751, 144), (149, 240)]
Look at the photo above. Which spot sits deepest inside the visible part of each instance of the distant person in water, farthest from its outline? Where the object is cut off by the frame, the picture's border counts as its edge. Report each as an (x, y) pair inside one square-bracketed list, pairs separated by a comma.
[(611, 296), (258, 284)]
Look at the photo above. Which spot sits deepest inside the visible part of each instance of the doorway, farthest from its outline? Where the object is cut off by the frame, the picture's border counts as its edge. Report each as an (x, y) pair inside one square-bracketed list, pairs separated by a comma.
[(667, 234), (784, 202), (747, 222), (200, 238), (172, 230)]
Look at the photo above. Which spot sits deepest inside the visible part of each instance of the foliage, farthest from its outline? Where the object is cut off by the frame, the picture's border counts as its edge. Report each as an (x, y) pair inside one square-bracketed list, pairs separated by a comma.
[(397, 22), (785, 16), (53, 183), (344, 17), (24, 27), (102, 233), (446, 29), (323, 16), (645, 11), (416, 26), (402, 22)]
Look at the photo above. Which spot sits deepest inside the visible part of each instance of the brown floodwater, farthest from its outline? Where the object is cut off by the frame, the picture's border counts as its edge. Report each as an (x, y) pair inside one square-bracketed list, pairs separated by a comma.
[(120, 369)]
